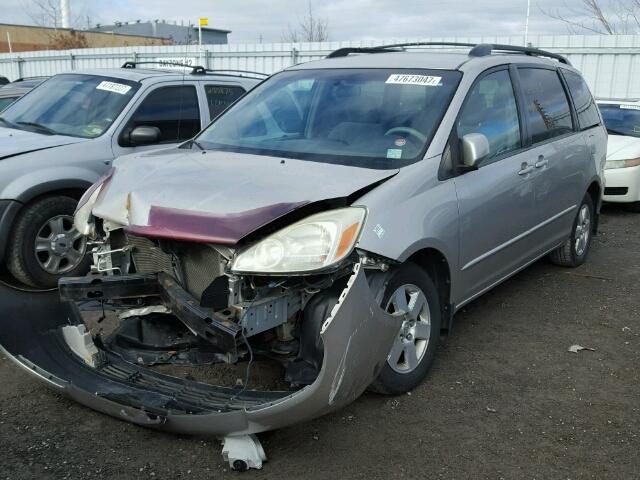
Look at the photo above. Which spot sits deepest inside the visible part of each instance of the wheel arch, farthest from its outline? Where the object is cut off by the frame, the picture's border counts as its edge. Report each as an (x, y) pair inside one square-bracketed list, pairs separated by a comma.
[(595, 192), (435, 263)]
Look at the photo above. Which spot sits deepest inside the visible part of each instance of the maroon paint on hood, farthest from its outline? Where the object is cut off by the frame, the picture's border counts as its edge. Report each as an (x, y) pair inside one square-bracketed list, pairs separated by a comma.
[(202, 227)]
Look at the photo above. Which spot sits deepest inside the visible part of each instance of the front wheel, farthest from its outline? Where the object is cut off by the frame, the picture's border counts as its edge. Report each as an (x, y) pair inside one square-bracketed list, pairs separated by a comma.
[(44, 244), (574, 251), (411, 292)]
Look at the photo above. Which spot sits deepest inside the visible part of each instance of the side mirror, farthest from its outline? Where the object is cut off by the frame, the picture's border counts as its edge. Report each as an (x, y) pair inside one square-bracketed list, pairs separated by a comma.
[(475, 146), (144, 136)]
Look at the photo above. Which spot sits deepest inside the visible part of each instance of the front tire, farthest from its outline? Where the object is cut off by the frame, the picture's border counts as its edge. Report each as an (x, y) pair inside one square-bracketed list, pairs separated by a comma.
[(574, 251), (410, 290), (44, 244)]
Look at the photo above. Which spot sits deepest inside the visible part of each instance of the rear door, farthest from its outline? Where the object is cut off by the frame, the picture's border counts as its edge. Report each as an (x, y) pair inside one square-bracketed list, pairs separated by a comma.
[(171, 107), (496, 203), (558, 150)]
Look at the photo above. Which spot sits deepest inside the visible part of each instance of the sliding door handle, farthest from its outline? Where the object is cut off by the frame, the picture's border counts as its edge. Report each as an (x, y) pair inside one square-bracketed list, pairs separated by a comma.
[(525, 169), (541, 162)]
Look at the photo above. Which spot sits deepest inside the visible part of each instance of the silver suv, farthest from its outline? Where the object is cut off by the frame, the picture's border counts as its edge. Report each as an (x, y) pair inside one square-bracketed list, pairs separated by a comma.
[(329, 224), (61, 137)]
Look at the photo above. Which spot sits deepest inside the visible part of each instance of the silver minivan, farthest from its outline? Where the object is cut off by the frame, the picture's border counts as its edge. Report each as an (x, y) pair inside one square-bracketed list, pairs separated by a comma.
[(330, 223)]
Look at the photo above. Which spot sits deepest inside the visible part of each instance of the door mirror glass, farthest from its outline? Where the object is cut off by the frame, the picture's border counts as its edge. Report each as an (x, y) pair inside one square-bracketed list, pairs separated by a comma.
[(475, 147), (144, 136)]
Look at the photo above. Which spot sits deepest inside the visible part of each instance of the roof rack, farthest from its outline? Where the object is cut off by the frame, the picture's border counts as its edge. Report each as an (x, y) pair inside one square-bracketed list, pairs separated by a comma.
[(477, 49), (198, 69)]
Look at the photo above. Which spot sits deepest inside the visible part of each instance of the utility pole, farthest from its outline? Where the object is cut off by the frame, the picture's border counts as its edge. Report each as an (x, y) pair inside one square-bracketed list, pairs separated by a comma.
[(65, 10), (526, 24)]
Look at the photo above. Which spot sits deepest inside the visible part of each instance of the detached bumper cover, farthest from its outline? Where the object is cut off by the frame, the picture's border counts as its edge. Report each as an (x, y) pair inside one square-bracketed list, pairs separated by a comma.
[(357, 337)]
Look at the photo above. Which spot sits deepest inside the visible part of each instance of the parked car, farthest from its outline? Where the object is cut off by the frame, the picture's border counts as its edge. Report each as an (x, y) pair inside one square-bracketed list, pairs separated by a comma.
[(333, 220), (10, 92), (622, 170), (59, 139)]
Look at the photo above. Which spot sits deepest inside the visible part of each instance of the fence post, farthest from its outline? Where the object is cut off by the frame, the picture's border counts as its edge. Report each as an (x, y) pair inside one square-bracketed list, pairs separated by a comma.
[(294, 56), (20, 68), (72, 61)]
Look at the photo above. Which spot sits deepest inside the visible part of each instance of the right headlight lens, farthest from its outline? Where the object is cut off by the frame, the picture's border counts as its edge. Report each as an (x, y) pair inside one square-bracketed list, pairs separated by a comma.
[(612, 164), (314, 243)]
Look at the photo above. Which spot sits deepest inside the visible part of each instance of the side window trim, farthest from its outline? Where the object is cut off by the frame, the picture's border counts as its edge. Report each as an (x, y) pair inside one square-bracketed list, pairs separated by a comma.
[(143, 97), (567, 93), (579, 128), (530, 143), (453, 144)]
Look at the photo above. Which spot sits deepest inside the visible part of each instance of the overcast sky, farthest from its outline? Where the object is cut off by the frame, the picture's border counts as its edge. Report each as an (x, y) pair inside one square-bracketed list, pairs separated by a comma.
[(348, 19)]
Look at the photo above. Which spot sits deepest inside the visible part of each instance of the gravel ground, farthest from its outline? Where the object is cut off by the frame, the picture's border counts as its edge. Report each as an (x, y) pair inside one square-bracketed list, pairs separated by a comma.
[(505, 398)]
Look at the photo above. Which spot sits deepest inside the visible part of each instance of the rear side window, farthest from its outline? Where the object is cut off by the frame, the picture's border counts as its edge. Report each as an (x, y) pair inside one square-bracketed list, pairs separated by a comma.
[(219, 97), (490, 109), (586, 107), (547, 106), (174, 110)]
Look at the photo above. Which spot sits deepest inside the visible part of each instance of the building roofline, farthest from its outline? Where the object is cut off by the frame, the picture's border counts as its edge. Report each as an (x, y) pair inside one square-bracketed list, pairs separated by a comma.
[(83, 31)]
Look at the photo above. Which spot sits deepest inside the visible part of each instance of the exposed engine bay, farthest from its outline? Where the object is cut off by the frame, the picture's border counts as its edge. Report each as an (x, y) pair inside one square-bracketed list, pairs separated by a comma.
[(178, 304)]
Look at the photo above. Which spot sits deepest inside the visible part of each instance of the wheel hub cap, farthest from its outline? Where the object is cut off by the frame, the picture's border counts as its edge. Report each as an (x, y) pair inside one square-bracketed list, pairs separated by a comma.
[(412, 340), (583, 230), (59, 247)]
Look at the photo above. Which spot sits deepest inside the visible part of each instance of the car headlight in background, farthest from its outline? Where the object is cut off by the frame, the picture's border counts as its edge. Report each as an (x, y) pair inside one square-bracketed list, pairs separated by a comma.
[(82, 216), (314, 243), (611, 164)]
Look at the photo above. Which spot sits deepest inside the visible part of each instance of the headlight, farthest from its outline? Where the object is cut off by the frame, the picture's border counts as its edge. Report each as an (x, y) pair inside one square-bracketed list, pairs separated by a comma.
[(314, 243), (82, 216), (611, 164)]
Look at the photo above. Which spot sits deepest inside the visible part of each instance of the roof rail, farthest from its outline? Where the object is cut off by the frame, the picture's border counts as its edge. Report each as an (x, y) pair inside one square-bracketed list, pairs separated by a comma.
[(196, 69), (477, 49)]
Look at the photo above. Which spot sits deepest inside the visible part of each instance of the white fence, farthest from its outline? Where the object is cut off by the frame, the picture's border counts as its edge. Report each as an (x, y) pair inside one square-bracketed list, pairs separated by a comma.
[(610, 63)]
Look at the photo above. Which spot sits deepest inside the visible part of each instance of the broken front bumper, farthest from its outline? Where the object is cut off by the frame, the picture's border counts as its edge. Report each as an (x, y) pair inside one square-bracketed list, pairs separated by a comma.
[(357, 337)]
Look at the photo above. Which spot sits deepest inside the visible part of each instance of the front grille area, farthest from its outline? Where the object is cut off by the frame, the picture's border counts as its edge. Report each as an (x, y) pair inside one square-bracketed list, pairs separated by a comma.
[(616, 191), (148, 257), (197, 265)]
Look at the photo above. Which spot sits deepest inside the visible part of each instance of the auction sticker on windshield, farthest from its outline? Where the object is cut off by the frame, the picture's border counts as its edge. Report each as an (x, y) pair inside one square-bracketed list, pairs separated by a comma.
[(114, 87), (425, 80)]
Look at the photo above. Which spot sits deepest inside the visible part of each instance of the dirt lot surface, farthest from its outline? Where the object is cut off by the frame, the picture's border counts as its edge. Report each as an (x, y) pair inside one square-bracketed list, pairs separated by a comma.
[(505, 398)]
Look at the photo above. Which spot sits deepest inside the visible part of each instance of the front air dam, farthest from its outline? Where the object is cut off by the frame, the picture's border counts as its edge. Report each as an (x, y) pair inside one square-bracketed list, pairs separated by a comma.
[(357, 337)]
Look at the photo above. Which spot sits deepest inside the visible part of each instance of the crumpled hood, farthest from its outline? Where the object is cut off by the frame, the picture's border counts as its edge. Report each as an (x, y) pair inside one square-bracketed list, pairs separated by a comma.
[(16, 142), (219, 197), (621, 147)]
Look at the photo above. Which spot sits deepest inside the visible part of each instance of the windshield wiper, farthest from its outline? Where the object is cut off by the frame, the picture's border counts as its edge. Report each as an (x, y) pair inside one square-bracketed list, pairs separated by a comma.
[(8, 123), (42, 128), (615, 132), (195, 142)]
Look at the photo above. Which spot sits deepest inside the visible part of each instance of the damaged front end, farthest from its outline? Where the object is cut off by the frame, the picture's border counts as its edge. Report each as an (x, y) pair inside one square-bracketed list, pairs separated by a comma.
[(120, 338)]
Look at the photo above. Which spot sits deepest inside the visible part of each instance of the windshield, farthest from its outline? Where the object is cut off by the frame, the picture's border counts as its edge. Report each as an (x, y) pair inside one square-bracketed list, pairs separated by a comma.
[(621, 119), (377, 118), (75, 105)]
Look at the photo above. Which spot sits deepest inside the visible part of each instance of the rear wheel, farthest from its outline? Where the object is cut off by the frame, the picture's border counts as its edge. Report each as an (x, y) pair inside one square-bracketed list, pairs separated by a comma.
[(44, 244), (412, 292), (574, 251)]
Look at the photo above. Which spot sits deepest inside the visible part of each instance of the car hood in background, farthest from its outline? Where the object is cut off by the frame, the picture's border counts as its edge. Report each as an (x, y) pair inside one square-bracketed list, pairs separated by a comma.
[(219, 197), (16, 142), (621, 147)]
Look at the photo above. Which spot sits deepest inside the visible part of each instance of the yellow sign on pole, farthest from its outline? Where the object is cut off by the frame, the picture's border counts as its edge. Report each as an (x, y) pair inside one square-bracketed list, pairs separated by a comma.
[(204, 22)]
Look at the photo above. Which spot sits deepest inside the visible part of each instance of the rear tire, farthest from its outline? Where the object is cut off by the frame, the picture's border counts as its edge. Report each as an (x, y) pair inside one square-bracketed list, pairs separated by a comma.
[(410, 289), (44, 246), (635, 207), (574, 251)]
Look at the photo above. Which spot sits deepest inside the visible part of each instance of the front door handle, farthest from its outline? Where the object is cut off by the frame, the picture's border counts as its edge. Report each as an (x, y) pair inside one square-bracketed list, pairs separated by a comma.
[(541, 162), (525, 169)]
